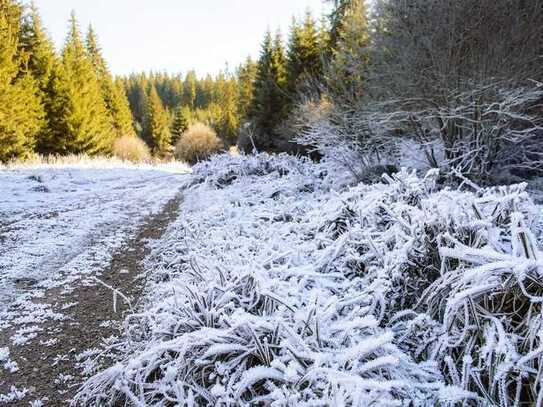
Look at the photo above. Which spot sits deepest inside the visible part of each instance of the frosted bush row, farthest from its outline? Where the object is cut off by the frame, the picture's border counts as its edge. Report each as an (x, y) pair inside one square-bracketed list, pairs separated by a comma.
[(279, 284)]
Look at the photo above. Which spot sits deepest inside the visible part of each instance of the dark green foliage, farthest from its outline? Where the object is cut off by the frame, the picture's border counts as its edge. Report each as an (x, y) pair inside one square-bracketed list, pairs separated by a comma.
[(21, 113), (80, 121), (51, 104), (305, 64), (112, 93), (216, 101), (156, 125), (346, 74), (42, 63), (269, 98), (246, 78), (189, 90), (180, 123)]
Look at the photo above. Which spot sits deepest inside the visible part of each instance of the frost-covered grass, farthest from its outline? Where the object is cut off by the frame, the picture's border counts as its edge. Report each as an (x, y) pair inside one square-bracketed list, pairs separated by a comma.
[(279, 283), (62, 220), (83, 161)]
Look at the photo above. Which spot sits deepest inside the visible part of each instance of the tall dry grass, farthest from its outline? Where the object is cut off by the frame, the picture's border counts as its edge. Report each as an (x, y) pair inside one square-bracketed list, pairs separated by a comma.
[(199, 142), (131, 148)]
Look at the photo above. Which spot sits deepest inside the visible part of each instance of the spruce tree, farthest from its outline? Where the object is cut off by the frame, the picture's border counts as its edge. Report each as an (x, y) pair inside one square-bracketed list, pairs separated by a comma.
[(279, 63), (350, 57), (138, 100), (267, 108), (39, 48), (189, 89), (180, 123), (246, 78), (205, 92), (113, 94), (80, 120), (21, 113), (294, 57), (304, 66), (228, 103), (156, 126), (42, 62)]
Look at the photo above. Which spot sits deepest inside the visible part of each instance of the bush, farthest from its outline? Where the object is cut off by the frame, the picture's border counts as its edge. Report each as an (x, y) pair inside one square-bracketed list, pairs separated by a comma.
[(199, 142), (131, 148)]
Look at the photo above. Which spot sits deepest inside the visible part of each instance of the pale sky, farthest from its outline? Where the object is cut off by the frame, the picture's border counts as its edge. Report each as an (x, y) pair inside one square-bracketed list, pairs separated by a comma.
[(175, 35)]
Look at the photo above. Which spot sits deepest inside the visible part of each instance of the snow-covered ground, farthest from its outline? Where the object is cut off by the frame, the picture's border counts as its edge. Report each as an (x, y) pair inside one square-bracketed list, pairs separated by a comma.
[(61, 221), (280, 283)]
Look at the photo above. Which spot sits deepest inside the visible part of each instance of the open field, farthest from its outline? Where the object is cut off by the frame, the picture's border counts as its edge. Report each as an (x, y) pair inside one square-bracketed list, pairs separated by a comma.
[(62, 225)]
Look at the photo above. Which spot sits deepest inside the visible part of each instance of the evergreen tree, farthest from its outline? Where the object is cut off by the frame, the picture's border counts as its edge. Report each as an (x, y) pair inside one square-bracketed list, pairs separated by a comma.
[(304, 66), (246, 78), (324, 40), (113, 94), (205, 92), (350, 58), (189, 89), (137, 97), (267, 108), (279, 63), (80, 121), (42, 62), (156, 126), (39, 48), (227, 101), (180, 123), (339, 10), (294, 62), (21, 113)]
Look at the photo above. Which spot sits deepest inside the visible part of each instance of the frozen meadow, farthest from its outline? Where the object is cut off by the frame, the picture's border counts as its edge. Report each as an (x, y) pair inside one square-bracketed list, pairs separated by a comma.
[(279, 282), (60, 224)]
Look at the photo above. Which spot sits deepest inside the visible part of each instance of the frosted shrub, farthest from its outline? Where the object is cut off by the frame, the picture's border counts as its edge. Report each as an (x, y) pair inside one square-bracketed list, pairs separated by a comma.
[(199, 142), (288, 287), (131, 148)]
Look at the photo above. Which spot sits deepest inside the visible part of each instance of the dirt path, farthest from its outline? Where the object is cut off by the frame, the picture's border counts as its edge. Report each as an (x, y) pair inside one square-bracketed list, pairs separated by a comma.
[(52, 365)]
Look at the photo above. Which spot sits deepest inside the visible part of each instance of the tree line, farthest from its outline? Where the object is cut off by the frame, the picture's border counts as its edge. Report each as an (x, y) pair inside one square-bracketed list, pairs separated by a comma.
[(178, 101), (69, 102), (55, 103), (259, 94), (460, 81)]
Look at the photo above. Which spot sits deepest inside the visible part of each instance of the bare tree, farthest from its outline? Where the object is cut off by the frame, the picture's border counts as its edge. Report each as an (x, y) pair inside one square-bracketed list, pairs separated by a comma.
[(467, 73)]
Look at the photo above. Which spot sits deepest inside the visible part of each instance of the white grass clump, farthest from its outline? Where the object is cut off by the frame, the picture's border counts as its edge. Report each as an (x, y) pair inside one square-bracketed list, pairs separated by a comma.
[(271, 287), (83, 161)]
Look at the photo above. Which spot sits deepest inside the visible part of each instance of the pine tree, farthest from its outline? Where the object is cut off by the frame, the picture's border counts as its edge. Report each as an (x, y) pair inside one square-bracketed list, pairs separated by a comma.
[(80, 120), (180, 123), (350, 56), (246, 78), (156, 126), (228, 103), (324, 39), (137, 97), (267, 108), (113, 94), (42, 61), (189, 89), (39, 48), (21, 113), (304, 66), (339, 10), (205, 92), (279, 63), (294, 57)]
